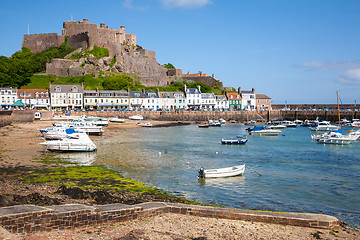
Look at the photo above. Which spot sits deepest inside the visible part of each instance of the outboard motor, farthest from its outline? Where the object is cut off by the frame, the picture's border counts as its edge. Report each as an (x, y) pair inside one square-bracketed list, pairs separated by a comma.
[(201, 173)]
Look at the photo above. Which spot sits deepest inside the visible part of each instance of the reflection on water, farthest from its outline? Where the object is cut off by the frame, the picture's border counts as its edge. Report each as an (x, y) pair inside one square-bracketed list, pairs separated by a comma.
[(296, 174), (81, 158)]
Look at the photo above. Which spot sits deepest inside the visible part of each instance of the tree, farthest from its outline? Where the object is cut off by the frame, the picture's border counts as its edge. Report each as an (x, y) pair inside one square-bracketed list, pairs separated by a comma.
[(169, 66), (117, 82)]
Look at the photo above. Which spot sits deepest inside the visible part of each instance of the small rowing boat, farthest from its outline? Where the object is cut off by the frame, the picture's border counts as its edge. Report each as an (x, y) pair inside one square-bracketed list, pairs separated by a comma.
[(222, 172)]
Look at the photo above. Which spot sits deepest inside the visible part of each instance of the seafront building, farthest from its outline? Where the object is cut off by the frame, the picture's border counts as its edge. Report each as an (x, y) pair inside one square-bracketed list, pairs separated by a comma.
[(66, 97), (8, 97), (173, 100), (34, 98), (222, 102), (74, 97), (234, 99), (263, 102), (106, 99), (193, 97), (248, 99)]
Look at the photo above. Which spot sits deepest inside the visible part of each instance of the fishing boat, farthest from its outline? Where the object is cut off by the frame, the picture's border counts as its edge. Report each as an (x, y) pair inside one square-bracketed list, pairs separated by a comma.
[(263, 131), (222, 172), (136, 117), (79, 143), (144, 124), (234, 141), (215, 123)]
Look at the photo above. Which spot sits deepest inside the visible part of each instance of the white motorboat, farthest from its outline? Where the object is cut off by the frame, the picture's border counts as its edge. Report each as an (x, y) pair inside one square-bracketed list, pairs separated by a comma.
[(80, 143), (298, 122), (82, 126), (355, 123), (323, 126), (264, 131), (144, 124), (58, 133), (97, 121), (222, 121), (117, 120), (276, 126), (289, 124), (222, 172), (136, 117), (354, 134), (215, 123), (335, 138)]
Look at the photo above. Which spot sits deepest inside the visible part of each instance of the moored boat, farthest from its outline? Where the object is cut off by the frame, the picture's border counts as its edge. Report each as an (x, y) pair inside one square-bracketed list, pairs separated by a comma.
[(234, 141), (335, 138), (263, 131), (80, 143), (117, 119), (144, 124), (136, 117), (222, 172)]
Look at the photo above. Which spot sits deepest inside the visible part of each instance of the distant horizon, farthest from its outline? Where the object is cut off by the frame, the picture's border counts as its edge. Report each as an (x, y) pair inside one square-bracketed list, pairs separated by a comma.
[(291, 51)]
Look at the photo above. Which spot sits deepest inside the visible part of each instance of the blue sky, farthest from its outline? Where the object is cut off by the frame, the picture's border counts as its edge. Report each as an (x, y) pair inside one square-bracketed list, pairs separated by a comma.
[(299, 51)]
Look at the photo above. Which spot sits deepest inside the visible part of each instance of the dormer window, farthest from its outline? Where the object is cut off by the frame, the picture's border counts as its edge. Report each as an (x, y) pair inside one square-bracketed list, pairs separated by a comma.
[(74, 89), (57, 89), (231, 96), (137, 95)]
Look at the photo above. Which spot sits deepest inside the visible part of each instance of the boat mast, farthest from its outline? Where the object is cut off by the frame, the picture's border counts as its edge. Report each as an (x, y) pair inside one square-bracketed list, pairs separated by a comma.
[(337, 93)]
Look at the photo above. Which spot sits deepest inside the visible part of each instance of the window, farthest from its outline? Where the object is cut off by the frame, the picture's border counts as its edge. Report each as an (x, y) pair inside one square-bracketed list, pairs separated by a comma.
[(74, 89), (57, 89)]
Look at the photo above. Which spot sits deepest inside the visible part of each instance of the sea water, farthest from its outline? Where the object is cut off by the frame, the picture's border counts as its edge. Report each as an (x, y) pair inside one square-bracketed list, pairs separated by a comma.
[(288, 172)]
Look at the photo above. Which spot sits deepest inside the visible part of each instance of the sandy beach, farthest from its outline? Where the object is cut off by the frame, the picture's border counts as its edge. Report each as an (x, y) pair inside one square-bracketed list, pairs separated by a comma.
[(19, 147)]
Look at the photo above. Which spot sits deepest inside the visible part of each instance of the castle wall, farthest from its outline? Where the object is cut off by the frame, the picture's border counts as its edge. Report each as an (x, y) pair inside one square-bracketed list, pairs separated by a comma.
[(58, 67), (40, 42), (80, 40), (173, 72), (147, 53), (144, 66)]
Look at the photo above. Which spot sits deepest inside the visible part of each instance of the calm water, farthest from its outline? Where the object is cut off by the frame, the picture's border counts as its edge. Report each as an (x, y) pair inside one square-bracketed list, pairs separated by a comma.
[(297, 174)]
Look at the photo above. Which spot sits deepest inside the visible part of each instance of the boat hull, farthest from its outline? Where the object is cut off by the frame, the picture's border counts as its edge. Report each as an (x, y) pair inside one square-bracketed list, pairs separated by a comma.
[(225, 172)]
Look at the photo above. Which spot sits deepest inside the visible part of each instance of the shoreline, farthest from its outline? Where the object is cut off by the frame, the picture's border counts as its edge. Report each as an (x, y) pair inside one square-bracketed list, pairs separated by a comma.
[(19, 149)]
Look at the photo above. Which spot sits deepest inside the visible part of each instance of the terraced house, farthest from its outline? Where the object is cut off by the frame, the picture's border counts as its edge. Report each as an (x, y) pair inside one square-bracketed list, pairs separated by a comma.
[(234, 100), (66, 97), (106, 99), (8, 97), (34, 98), (172, 100)]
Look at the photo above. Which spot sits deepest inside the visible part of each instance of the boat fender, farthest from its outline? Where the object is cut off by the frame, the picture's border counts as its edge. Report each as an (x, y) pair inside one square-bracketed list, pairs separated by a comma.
[(283, 135), (201, 173)]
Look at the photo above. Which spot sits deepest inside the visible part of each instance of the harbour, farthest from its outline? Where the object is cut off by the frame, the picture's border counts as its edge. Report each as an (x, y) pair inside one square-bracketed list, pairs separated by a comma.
[(297, 174)]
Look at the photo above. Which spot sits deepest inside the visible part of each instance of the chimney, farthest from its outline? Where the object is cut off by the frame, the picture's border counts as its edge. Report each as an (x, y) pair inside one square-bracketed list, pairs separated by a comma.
[(212, 76), (239, 90), (198, 87), (102, 25), (184, 88), (253, 90), (200, 73), (85, 20)]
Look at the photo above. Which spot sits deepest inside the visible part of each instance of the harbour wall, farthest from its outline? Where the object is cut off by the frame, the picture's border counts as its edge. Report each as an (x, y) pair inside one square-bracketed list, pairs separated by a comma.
[(23, 219), (239, 116), (7, 117)]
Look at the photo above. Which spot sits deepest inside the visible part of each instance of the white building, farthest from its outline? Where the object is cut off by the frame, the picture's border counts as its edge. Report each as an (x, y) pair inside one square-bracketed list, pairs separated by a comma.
[(222, 102), (208, 101), (193, 97), (248, 99), (35, 98), (172, 100), (66, 96), (8, 96), (152, 100), (137, 99)]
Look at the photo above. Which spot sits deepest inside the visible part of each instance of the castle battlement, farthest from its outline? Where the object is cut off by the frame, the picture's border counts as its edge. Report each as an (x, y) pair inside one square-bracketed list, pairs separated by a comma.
[(82, 34)]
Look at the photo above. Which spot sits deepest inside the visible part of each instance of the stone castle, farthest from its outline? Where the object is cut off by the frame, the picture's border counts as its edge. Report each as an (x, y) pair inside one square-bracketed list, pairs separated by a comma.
[(130, 58)]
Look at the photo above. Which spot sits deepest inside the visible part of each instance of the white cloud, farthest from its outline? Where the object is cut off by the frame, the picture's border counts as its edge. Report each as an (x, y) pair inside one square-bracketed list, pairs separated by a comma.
[(325, 66), (130, 5), (351, 77), (185, 3)]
